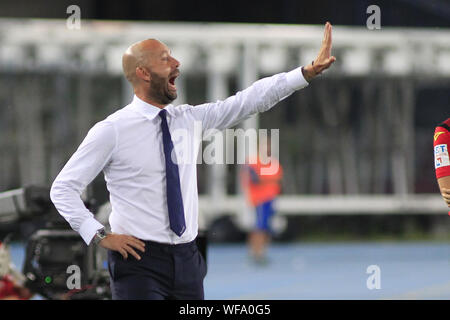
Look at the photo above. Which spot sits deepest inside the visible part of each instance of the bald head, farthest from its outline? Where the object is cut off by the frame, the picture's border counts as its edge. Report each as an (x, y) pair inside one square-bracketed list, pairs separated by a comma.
[(151, 70), (140, 54)]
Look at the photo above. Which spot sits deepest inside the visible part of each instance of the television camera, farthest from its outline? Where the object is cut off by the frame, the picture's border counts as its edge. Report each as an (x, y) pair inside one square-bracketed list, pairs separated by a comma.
[(52, 247)]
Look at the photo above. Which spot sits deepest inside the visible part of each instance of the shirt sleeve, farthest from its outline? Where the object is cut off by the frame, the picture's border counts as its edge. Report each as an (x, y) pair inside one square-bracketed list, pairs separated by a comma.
[(259, 97), (85, 164), (441, 155)]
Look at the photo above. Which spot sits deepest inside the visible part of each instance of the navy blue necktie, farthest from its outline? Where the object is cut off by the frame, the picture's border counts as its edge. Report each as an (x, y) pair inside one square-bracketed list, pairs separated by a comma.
[(174, 198)]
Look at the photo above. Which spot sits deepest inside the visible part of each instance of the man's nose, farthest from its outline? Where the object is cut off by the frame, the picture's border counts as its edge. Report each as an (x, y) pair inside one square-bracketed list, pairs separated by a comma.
[(176, 63)]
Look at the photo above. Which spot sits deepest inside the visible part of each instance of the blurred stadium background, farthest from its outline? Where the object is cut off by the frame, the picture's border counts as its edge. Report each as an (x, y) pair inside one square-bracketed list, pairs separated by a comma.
[(356, 145)]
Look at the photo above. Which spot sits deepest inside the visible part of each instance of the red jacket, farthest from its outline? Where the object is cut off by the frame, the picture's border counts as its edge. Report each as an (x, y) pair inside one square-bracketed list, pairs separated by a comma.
[(441, 145)]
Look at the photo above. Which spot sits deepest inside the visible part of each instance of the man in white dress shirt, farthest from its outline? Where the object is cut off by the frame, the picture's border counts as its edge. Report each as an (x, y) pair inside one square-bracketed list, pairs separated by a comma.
[(151, 248)]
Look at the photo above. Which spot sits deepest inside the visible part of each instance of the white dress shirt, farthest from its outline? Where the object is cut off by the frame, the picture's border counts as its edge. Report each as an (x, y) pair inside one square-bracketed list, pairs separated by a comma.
[(128, 147)]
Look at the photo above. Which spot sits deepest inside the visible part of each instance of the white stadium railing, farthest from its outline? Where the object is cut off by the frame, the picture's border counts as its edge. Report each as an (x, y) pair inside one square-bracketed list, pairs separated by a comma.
[(361, 51), (340, 204)]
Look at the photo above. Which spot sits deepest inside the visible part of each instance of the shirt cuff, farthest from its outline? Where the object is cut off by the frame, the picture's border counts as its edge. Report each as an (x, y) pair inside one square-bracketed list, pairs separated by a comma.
[(295, 79), (88, 229)]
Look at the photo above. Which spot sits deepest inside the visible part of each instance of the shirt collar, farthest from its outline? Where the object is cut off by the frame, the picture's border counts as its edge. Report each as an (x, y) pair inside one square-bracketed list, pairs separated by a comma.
[(146, 109)]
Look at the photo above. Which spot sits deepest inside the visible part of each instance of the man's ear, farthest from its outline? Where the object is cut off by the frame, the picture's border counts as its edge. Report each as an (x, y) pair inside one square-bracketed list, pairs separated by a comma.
[(142, 74)]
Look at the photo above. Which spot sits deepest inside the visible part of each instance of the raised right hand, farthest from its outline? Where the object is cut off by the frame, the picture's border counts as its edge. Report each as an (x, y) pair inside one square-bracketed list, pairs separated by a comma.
[(324, 58)]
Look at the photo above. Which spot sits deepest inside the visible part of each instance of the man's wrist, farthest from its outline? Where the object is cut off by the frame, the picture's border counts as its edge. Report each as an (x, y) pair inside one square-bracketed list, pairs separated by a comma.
[(99, 236), (308, 72)]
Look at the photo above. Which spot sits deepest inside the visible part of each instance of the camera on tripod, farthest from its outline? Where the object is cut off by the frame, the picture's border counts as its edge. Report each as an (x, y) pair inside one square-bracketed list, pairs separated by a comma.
[(54, 251)]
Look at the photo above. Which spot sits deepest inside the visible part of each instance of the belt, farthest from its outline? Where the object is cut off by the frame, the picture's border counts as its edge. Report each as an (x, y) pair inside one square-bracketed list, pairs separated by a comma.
[(168, 246)]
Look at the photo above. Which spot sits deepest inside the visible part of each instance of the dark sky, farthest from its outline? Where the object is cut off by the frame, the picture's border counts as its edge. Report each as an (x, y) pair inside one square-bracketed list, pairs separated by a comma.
[(418, 13)]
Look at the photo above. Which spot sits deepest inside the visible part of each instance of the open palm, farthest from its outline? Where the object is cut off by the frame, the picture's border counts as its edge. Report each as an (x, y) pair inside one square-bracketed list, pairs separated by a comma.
[(324, 58)]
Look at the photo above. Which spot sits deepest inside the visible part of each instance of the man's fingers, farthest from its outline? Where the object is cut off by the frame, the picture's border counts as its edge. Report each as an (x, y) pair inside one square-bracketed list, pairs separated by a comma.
[(324, 39), (445, 195), (330, 33), (123, 253), (137, 240), (327, 34), (331, 60), (326, 31), (132, 252), (325, 50), (325, 64), (137, 244)]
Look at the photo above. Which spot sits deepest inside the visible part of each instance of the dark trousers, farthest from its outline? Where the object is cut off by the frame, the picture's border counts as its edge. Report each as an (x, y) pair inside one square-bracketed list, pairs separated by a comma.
[(164, 272)]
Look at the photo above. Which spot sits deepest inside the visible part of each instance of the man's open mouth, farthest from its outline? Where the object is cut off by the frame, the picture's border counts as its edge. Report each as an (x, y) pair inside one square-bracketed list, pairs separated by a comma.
[(172, 85)]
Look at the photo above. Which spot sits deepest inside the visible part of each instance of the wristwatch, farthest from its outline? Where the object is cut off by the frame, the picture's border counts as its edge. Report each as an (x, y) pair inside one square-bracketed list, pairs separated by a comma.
[(99, 236)]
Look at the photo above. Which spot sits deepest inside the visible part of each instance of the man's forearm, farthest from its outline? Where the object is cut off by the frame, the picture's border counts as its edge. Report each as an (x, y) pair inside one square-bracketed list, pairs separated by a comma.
[(259, 97), (70, 206)]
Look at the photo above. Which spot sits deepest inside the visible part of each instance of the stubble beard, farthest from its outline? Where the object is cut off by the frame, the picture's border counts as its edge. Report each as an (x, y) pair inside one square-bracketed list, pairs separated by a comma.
[(158, 90)]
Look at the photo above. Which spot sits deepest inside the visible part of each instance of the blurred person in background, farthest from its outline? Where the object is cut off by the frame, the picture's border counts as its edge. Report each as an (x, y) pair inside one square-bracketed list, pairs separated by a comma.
[(261, 183), (441, 158)]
